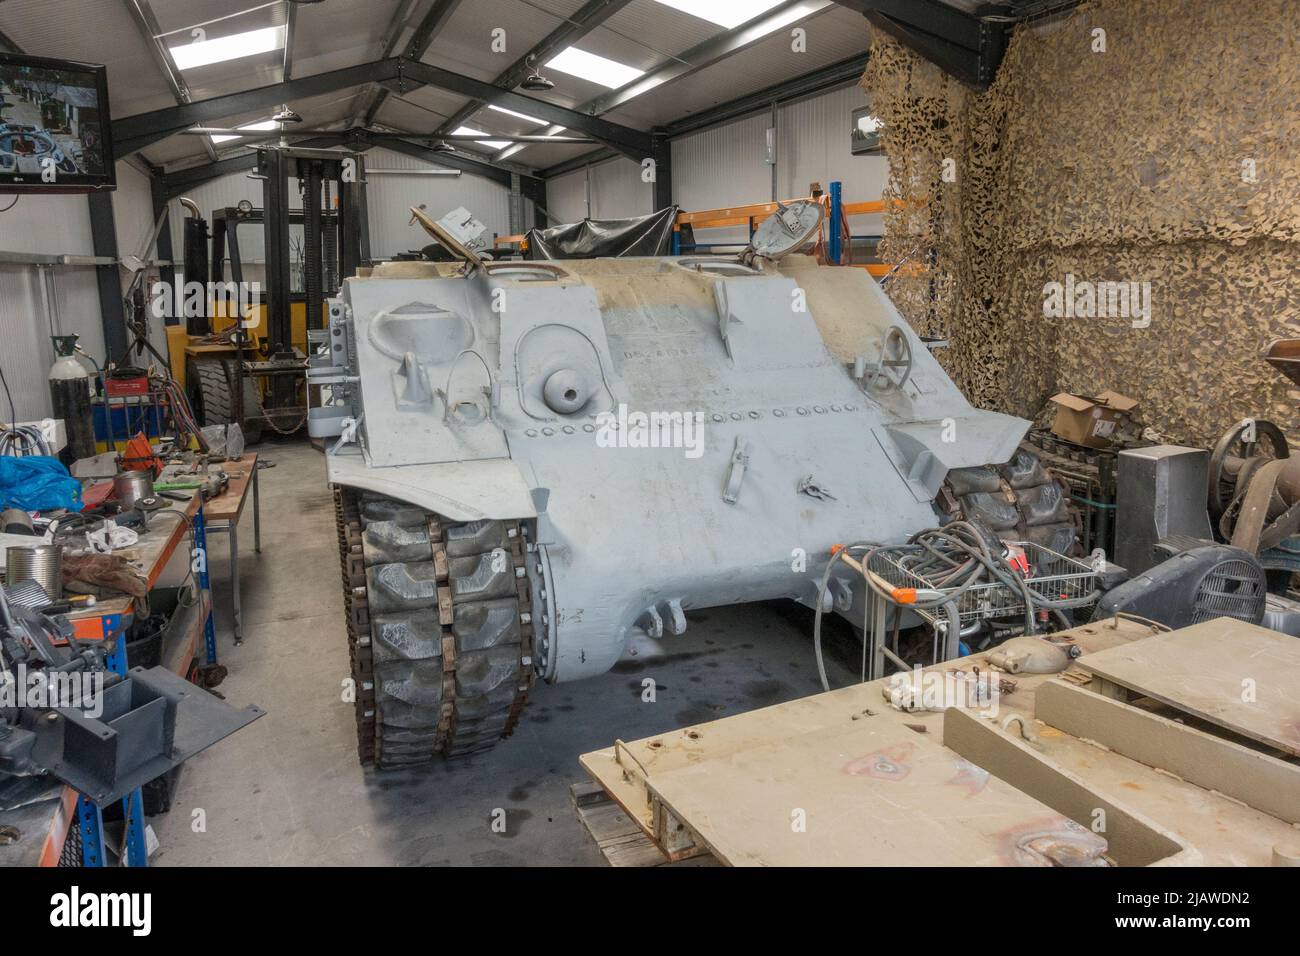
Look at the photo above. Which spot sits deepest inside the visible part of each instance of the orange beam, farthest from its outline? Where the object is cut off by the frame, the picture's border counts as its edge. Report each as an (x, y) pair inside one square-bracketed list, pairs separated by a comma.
[(733, 215)]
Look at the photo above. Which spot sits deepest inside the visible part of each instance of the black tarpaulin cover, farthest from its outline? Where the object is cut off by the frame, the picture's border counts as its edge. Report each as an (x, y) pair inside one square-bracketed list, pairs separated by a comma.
[(650, 235)]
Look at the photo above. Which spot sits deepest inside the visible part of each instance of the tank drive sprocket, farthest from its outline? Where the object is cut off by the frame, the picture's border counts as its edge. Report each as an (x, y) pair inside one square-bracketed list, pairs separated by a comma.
[(439, 629)]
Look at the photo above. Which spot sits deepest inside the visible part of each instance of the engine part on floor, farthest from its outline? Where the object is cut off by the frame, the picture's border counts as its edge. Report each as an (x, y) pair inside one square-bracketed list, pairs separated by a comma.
[(1089, 476), (1215, 580), (106, 733), (1267, 510), (1237, 454), (539, 418), (1032, 655), (1020, 500), (955, 578), (1159, 497)]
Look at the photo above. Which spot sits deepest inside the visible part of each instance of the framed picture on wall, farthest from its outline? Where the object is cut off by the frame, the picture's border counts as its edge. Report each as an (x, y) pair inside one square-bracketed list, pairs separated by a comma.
[(864, 135)]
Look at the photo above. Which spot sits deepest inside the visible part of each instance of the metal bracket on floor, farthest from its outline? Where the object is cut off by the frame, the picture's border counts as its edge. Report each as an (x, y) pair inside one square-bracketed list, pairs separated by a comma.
[(89, 816)]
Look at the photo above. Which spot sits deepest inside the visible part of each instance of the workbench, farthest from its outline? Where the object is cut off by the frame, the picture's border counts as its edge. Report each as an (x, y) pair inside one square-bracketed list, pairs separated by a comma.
[(43, 826)]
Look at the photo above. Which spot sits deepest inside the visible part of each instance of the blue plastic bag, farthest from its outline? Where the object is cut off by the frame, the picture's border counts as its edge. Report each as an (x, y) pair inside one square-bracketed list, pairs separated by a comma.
[(37, 483)]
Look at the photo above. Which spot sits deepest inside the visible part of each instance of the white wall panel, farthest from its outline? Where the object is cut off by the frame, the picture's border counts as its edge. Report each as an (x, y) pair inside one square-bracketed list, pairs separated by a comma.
[(723, 166), (566, 197), (617, 191)]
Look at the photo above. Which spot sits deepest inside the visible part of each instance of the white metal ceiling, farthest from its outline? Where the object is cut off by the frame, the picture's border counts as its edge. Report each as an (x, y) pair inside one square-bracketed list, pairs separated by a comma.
[(339, 33)]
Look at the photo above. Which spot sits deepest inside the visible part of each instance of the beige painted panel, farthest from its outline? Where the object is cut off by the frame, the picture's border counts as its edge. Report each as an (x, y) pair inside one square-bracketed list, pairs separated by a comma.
[(1237, 675)]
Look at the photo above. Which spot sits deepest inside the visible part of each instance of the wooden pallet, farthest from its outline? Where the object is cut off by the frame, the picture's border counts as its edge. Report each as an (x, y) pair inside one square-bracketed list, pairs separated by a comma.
[(621, 841)]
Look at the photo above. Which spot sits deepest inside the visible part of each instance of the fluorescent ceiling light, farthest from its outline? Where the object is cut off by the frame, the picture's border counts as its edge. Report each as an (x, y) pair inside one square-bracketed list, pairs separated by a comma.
[(523, 116), (251, 127), (470, 131), (725, 13), (232, 47), (595, 69)]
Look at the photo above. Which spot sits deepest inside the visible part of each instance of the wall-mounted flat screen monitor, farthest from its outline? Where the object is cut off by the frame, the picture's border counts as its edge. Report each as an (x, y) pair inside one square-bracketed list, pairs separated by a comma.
[(55, 134)]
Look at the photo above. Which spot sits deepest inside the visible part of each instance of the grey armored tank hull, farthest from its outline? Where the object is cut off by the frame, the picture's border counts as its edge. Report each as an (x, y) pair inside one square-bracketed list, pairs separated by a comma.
[(668, 434)]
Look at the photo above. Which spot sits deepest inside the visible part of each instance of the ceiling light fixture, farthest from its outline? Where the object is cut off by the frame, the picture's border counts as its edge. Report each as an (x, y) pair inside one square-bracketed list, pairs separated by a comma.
[(594, 68), (725, 13), (187, 56), (534, 82)]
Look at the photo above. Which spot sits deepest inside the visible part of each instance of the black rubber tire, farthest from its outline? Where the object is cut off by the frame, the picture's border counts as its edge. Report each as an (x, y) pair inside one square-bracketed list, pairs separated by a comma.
[(210, 386)]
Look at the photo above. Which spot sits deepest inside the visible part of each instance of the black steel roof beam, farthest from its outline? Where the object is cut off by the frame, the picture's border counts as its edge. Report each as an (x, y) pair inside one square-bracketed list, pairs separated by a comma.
[(134, 133), (711, 51), (957, 42), (570, 31), (425, 32), (290, 22), (7, 44), (147, 25), (457, 160), (810, 84), (631, 142), (828, 77)]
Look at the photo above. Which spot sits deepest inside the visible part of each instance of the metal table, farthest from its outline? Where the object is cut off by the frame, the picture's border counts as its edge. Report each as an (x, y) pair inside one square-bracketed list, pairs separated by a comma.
[(222, 515)]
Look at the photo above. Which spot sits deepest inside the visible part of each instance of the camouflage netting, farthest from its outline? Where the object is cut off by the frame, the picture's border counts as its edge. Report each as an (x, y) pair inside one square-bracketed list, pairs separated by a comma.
[(1134, 164)]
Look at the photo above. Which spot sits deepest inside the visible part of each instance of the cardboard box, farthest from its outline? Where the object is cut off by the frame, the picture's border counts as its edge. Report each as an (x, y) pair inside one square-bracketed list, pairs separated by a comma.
[(1090, 421)]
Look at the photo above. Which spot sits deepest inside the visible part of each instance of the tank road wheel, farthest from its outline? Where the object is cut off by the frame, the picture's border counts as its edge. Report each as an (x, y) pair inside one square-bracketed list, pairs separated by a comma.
[(439, 630), (211, 386)]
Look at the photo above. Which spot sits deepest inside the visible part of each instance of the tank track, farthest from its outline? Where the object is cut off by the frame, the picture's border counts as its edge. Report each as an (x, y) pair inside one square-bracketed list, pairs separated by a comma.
[(439, 629)]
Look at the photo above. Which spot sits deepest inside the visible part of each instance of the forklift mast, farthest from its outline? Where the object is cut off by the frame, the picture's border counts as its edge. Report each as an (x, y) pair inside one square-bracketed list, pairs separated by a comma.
[(335, 241)]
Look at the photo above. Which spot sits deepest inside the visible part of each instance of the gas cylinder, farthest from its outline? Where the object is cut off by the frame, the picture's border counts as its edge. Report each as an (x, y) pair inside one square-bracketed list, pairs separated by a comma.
[(70, 391)]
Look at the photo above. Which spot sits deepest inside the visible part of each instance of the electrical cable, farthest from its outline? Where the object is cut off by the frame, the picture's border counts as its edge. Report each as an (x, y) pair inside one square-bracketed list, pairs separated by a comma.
[(950, 561)]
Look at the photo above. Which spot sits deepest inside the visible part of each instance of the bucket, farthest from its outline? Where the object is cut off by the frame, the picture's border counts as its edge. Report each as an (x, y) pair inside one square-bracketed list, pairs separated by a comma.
[(132, 486)]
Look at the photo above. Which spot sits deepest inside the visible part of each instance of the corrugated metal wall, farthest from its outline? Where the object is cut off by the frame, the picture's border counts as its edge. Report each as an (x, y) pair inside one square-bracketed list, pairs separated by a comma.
[(57, 225), (617, 192), (566, 197), (391, 196), (720, 167)]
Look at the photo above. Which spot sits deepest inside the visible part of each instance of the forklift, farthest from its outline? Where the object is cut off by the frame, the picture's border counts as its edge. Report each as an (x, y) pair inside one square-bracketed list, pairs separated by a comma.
[(254, 371)]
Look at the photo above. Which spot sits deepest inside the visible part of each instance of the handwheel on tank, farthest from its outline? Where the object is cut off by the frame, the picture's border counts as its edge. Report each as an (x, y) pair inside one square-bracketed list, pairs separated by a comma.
[(895, 366), (1231, 452)]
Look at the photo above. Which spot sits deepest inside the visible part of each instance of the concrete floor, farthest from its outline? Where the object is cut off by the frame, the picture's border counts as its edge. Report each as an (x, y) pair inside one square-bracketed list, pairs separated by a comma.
[(288, 789)]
